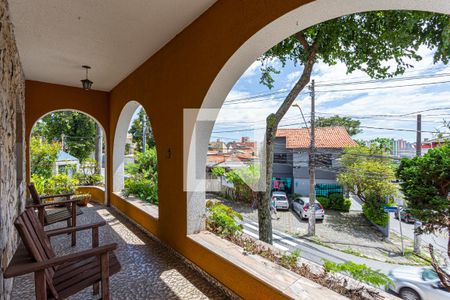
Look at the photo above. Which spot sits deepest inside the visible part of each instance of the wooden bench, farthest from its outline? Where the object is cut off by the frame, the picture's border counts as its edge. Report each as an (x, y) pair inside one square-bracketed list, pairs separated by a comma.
[(48, 216), (61, 277)]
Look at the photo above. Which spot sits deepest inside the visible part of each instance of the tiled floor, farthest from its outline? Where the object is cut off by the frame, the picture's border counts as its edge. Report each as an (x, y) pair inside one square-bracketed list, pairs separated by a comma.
[(149, 271)]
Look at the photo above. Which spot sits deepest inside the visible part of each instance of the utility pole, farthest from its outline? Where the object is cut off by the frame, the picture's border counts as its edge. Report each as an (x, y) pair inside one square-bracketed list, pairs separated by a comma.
[(312, 166), (417, 223), (144, 131), (62, 141), (98, 147), (419, 136)]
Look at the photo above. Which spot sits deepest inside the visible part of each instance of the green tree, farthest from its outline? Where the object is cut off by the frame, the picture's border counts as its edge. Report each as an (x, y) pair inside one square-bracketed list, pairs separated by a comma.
[(368, 174), (136, 130), (352, 126), (383, 144), (77, 129), (425, 182), (361, 41), (43, 157)]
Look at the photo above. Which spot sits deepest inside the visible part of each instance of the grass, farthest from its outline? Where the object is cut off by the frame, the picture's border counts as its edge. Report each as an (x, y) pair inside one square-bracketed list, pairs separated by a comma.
[(356, 253)]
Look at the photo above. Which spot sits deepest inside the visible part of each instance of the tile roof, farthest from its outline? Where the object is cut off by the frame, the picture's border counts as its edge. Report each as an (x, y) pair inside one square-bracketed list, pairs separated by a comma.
[(326, 137)]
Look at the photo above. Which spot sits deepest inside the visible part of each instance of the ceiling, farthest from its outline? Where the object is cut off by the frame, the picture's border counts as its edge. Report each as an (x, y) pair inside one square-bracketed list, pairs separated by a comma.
[(56, 37)]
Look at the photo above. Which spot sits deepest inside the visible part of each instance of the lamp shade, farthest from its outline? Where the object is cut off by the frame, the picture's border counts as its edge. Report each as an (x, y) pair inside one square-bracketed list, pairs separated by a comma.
[(87, 84)]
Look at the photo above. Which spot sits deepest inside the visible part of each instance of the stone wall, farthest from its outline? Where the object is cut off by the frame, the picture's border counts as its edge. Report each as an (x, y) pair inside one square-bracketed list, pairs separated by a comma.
[(12, 163)]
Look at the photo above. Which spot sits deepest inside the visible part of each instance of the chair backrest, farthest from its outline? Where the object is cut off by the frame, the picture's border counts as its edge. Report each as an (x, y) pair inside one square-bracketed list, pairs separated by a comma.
[(36, 198), (37, 242), (34, 194)]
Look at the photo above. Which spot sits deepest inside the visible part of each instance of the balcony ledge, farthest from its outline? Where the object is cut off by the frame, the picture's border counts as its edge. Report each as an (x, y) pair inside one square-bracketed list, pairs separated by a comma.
[(287, 282)]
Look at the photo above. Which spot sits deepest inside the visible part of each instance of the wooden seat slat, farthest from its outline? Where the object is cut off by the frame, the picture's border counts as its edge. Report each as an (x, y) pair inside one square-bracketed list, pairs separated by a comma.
[(64, 276)]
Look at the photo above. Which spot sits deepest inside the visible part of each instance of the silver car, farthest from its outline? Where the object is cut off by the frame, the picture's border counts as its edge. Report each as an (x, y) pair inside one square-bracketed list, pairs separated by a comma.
[(280, 200), (301, 207), (418, 283)]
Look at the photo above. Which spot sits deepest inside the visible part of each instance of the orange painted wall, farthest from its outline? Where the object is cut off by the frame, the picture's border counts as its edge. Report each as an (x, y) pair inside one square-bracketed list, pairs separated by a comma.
[(178, 76), (42, 98)]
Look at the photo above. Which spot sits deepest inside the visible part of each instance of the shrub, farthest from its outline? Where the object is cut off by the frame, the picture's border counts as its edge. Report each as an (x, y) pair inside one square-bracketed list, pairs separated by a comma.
[(289, 260), (89, 173), (325, 201), (222, 219), (57, 184), (359, 272), (338, 202), (143, 182), (43, 156), (374, 211), (335, 201), (144, 189)]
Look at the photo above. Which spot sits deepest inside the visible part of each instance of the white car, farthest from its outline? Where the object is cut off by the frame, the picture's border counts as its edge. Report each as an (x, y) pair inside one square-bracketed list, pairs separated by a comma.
[(418, 283), (280, 199), (301, 207)]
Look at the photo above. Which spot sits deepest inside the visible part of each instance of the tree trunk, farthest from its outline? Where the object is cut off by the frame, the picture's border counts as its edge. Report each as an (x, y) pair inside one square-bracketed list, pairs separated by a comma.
[(98, 147), (272, 121)]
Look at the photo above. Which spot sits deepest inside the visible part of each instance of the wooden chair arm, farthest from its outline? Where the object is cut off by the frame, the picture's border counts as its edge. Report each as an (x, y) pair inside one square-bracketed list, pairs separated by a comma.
[(18, 270), (54, 203), (59, 231), (67, 195)]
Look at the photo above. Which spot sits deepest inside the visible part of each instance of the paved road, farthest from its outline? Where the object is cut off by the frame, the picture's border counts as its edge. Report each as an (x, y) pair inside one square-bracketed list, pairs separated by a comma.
[(439, 241), (312, 251)]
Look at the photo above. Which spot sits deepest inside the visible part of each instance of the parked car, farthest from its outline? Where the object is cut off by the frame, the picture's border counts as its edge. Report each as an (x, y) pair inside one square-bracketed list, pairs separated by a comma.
[(281, 200), (418, 283), (405, 216), (301, 207)]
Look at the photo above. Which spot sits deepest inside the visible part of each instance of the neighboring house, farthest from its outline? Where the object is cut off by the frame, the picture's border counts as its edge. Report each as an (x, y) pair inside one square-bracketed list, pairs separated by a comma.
[(428, 144), (291, 157), (66, 163), (218, 146)]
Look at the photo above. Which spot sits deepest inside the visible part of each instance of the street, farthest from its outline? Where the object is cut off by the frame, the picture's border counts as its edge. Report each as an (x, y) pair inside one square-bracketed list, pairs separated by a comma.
[(439, 241), (312, 251)]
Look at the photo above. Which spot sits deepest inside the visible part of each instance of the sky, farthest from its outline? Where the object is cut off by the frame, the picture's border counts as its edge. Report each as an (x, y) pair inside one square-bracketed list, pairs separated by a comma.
[(377, 104)]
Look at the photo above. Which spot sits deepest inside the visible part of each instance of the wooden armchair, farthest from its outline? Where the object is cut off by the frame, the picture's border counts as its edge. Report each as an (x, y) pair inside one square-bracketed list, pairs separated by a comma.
[(67, 213), (61, 277)]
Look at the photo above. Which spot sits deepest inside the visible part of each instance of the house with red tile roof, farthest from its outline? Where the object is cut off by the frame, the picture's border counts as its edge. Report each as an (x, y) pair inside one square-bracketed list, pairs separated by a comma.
[(291, 156)]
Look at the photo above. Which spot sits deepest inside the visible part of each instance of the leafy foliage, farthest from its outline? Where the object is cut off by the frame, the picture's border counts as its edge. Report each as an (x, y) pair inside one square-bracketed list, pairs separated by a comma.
[(245, 181), (136, 130), (368, 174), (78, 130), (144, 189), (352, 126), (43, 157), (373, 209), (425, 182), (222, 219), (362, 41), (289, 260), (89, 173), (143, 181), (57, 184), (218, 171), (359, 272), (335, 201)]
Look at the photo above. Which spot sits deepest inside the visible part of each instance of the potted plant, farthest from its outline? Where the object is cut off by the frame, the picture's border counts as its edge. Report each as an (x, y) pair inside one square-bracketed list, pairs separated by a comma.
[(83, 198)]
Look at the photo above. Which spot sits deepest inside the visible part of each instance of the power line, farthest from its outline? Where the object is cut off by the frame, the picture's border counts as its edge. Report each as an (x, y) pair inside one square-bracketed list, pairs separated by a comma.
[(384, 87), (387, 80)]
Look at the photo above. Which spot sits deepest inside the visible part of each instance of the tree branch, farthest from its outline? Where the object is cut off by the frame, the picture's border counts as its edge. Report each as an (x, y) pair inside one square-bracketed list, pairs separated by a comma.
[(443, 277), (302, 40)]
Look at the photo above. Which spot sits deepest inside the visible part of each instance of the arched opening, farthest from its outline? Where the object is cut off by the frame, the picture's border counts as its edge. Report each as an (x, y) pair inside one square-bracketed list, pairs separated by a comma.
[(135, 159), (67, 151), (201, 123)]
